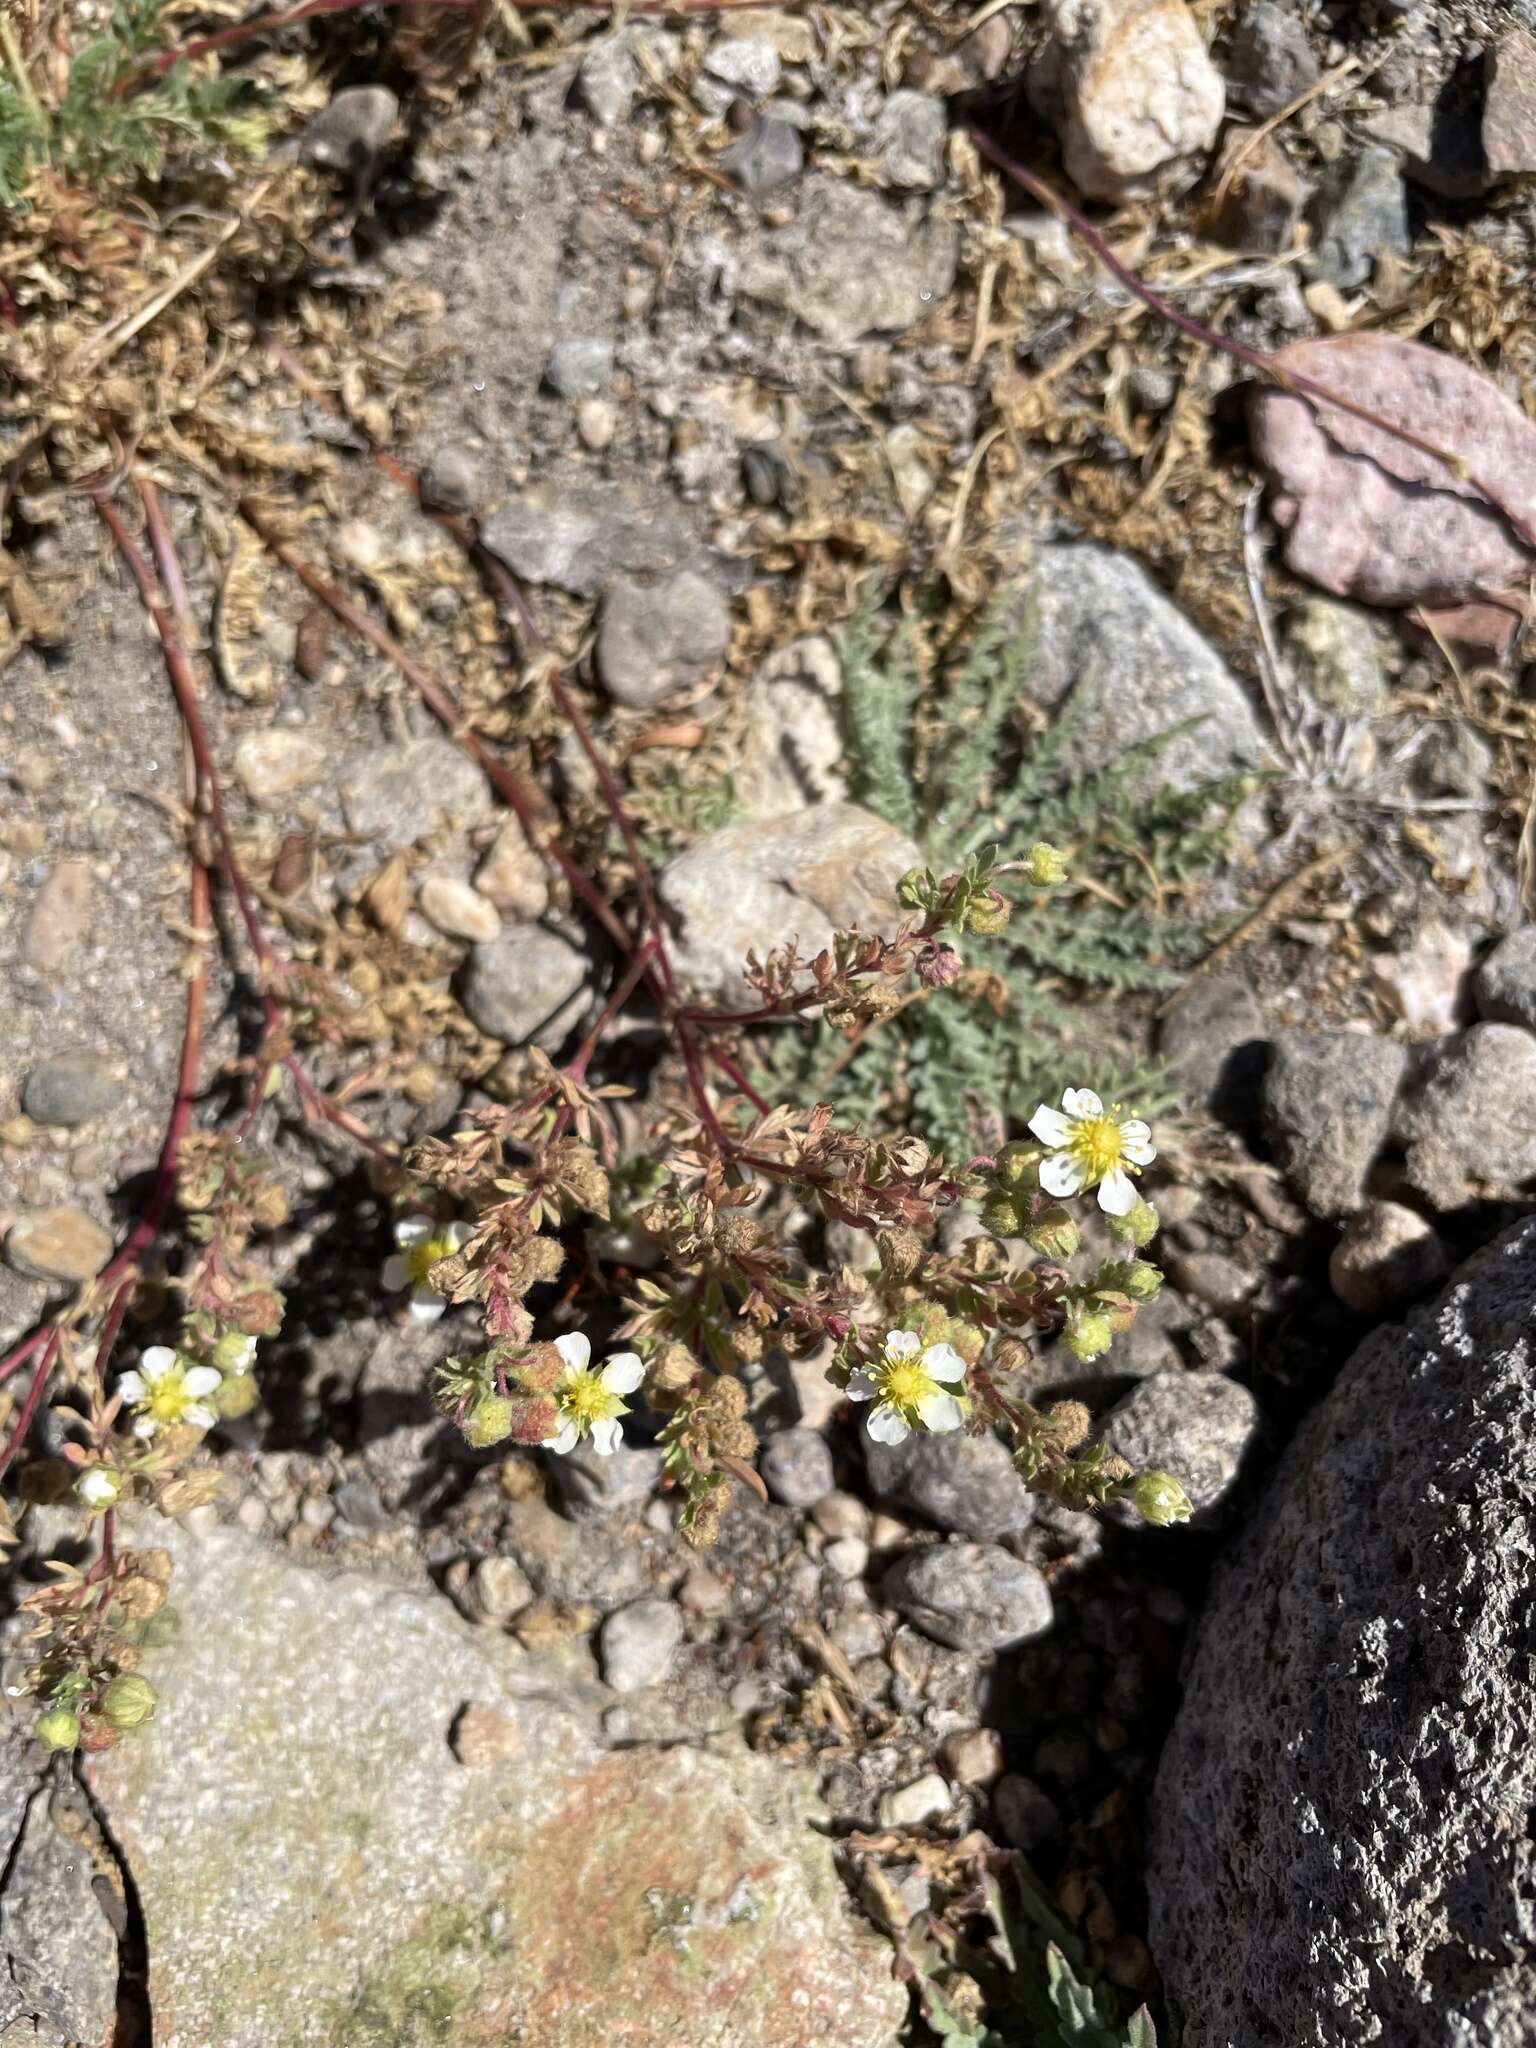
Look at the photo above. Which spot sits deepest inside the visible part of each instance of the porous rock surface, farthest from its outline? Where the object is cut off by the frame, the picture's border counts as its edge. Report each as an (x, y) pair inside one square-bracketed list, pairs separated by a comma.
[(1341, 1851)]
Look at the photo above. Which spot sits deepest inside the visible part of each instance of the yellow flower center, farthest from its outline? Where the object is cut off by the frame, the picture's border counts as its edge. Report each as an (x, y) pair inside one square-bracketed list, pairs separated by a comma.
[(903, 1382), (167, 1397), (1096, 1145), (584, 1400), (421, 1258)]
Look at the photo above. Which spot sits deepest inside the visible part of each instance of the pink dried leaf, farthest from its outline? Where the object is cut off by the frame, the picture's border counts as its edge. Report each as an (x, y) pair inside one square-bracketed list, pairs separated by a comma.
[(1373, 517)]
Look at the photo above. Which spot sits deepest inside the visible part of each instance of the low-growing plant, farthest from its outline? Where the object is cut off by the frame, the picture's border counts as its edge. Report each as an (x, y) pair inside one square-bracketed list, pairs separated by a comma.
[(118, 119), (951, 754)]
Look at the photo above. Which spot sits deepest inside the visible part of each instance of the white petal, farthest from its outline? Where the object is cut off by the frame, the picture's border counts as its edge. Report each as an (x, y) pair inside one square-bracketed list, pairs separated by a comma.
[(1061, 1174), (606, 1436), (396, 1273), (145, 1426), (1117, 1194), (902, 1344), (413, 1229), (622, 1374), (1050, 1126), (886, 1426), (199, 1416), (132, 1388), (861, 1387), (202, 1379), (1136, 1143), (576, 1350), (426, 1304), (941, 1412), (944, 1362), (1081, 1102), (564, 1439), (156, 1362), (458, 1233)]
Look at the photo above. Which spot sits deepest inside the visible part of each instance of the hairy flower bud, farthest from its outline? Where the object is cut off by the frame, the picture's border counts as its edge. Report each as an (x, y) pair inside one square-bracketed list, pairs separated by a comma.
[(1018, 1166), (1159, 1499), (237, 1395), (128, 1701), (1052, 1234), (535, 1419), (938, 965), (1045, 865), (1069, 1422), (99, 1487), (1010, 1354), (58, 1729), (986, 915), (1003, 1216), (1137, 1227), (487, 1421), (673, 1368), (1088, 1335), (746, 1342), (900, 1250), (537, 1371), (735, 1233)]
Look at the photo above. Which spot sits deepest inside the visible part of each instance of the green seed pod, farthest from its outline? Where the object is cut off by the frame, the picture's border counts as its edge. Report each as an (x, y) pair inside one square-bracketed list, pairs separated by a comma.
[(1159, 1499), (1018, 1166), (1045, 865), (58, 1729), (128, 1701)]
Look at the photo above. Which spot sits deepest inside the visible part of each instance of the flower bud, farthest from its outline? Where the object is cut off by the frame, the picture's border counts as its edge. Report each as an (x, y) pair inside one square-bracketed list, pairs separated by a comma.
[(901, 1251), (58, 1729), (1045, 865), (987, 915), (1138, 1226), (915, 889), (1018, 1166), (673, 1368), (487, 1421), (1135, 1279), (1159, 1499), (1069, 1422), (234, 1352), (128, 1701), (1052, 1234), (237, 1395), (1003, 1217), (1087, 1335), (534, 1420), (99, 1487)]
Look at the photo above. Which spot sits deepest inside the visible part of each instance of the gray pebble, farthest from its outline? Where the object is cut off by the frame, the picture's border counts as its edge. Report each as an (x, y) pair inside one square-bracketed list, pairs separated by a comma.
[(580, 367), (592, 1487), (796, 1467), (70, 1089), (909, 140), (528, 985), (970, 1596), (636, 1644), (766, 157), (1505, 984), (656, 639), (1196, 1425), (353, 130), (967, 1484)]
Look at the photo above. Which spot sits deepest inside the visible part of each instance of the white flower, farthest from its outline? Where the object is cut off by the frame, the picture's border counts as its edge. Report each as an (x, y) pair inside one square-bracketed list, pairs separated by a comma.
[(588, 1402), (422, 1243), (1091, 1146), (99, 1487), (905, 1387), (166, 1390)]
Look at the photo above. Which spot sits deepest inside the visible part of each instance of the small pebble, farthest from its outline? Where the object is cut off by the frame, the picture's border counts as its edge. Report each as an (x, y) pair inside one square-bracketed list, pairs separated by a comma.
[(847, 1557), (58, 1244), (908, 1806), (973, 1756), (69, 1090), (579, 367), (499, 1588), (273, 764), (451, 480), (796, 1467), (841, 1514), (597, 423), (60, 917), (636, 1644), (458, 910)]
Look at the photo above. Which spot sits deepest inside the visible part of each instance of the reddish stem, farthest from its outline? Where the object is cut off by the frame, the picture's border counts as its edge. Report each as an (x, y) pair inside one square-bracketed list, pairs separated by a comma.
[(1256, 359), (29, 1406)]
